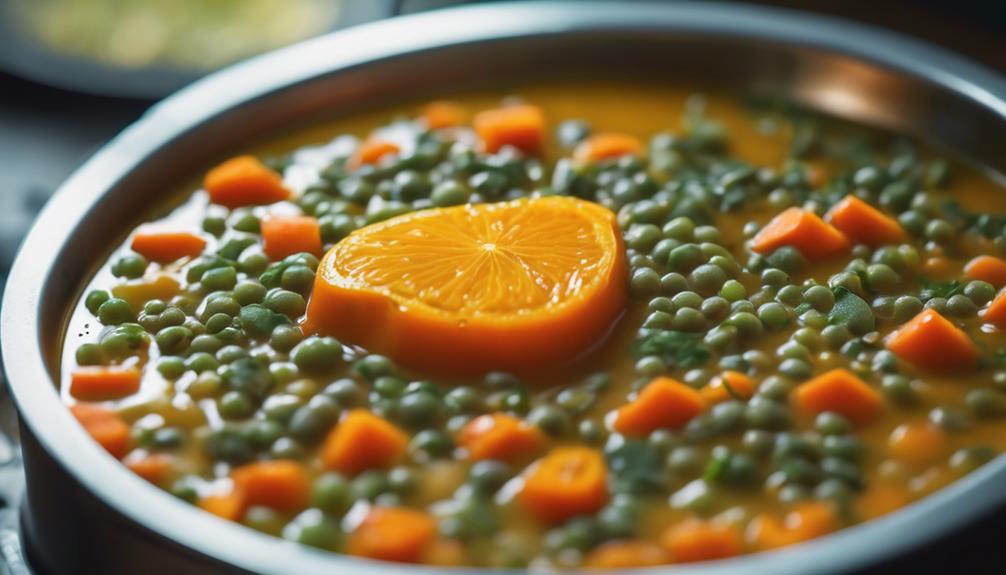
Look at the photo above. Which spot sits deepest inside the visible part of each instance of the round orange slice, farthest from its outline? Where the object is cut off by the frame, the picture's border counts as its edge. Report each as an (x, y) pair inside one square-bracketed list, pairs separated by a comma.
[(468, 289)]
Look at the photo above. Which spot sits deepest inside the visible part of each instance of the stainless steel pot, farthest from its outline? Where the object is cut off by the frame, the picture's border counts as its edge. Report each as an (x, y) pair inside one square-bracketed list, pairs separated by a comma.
[(86, 514)]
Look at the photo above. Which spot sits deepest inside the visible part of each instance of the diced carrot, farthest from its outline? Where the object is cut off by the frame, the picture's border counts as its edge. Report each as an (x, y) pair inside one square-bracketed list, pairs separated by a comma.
[(917, 443), (230, 505), (105, 426), (728, 385), (567, 482), (103, 383), (244, 181), (932, 342), (840, 391), (161, 245), (806, 521), (282, 485), (522, 127), (804, 230), (393, 534), (880, 499), (362, 441), (663, 403), (864, 223), (284, 236), (701, 540), (988, 269), (444, 552), (371, 151), (624, 554), (500, 436), (443, 114), (606, 146), (154, 467), (995, 314)]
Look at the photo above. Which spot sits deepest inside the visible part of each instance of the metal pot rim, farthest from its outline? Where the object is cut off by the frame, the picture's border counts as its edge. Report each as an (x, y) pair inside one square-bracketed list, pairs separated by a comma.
[(30, 381)]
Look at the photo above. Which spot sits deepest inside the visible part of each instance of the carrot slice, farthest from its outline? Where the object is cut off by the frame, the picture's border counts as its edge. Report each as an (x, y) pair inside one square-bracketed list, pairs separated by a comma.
[(230, 505), (728, 385), (371, 151), (522, 127), (802, 229), (154, 467), (698, 540), (102, 383), (443, 114), (995, 314), (568, 481), (362, 441), (393, 534), (840, 391), (161, 245), (105, 426), (623, 554), (663, 403), (917, 443), (932, 342), (864, 223), (988, 269), (606, 146), (455, 291), (284, 236), (244, 181), (806, 521), (282, 485), (500, 436)]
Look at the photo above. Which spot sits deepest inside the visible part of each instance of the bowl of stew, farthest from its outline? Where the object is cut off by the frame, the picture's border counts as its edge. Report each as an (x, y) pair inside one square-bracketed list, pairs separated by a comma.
[(526, 287)]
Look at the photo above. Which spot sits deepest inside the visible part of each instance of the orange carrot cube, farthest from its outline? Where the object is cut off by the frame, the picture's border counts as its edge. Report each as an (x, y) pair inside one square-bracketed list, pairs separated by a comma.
[(816, 239), (995, 314), (864, 223), (282, 485), (931, 342), (663, 404), (698, 540), (500, 436), (840, 391), (522, 127), (362, 441), (284, 236), (103, 383), (607, 146), (244, 181), (393, 534), (372, 151), (105, 426), (443, 114), (568, 481), (988, 269), (165, 246)]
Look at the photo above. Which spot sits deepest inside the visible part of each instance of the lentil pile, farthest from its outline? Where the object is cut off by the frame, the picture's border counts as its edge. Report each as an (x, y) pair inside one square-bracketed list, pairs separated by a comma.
[(813, 338)]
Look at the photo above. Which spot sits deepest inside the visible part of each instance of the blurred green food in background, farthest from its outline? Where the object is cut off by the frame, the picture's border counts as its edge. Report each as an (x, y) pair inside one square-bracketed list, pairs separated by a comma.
[(190, 34)]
